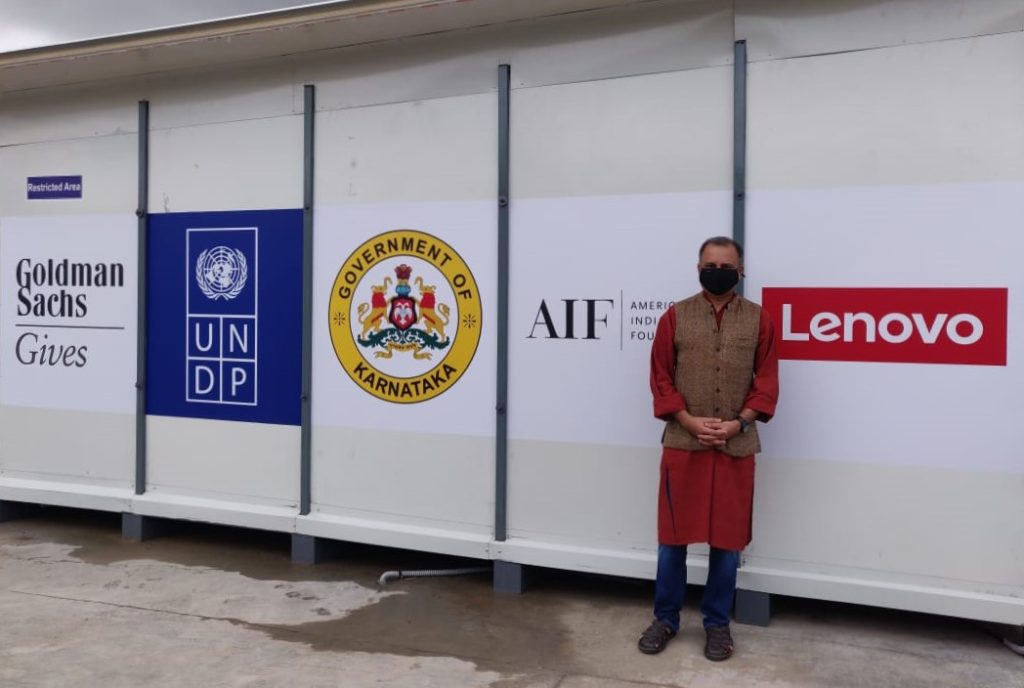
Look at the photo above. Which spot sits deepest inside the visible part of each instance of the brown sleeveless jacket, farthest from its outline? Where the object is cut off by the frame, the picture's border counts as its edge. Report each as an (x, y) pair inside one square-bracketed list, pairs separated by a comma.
[(715, 368)]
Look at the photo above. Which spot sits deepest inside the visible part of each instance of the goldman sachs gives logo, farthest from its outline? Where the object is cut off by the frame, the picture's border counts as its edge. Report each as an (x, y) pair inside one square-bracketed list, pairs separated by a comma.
[(405, 316), (221, 316), (53, 308)]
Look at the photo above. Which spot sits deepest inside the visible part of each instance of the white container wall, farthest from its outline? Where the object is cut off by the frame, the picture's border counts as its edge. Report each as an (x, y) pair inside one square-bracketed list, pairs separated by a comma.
[(392, 155), (617, 182), (67, 301), (403, 426), (884, 169), (221, 142), (885, 183)]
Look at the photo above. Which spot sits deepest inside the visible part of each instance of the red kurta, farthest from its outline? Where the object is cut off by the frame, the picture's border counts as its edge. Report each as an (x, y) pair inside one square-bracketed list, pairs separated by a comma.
[(708, 495)]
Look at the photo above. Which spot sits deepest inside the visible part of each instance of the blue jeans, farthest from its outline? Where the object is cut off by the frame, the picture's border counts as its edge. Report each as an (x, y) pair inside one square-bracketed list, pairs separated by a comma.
[(670, 586)]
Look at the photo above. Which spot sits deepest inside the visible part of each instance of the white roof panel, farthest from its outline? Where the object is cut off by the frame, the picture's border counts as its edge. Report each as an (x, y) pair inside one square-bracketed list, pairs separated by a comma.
[(28, 24)]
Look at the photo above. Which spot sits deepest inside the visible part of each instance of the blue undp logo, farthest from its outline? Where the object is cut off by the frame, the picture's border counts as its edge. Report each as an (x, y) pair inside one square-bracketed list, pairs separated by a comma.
[(222, 315), (224, 326)]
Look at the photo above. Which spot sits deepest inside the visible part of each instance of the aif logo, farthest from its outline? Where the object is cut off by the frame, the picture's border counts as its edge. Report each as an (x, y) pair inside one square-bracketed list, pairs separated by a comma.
[(221, 323), (596, 312)]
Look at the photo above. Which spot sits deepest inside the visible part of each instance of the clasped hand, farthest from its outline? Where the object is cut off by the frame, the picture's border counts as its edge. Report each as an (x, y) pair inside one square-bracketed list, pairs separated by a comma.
[(711, 432)]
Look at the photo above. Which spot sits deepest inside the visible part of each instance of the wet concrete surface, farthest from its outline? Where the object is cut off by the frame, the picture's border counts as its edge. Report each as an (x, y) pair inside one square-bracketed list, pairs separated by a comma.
[(215, 606)]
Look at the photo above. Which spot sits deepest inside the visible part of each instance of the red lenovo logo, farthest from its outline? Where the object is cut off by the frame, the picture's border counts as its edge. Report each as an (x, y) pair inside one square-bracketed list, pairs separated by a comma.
[(958, 326)]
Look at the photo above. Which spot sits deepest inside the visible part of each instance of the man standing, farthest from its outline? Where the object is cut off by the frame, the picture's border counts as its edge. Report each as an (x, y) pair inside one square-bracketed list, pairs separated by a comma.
[(714, 373)]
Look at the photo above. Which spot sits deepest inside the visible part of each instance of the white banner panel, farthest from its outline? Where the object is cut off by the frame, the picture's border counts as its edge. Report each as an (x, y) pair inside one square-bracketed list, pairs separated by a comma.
[(68, 312), (590, 278), (403, 337), (882, 250)]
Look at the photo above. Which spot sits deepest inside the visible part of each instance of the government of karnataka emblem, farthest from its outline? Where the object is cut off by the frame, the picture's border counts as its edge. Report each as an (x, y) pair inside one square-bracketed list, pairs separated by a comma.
[(405, 316), (401, 313)]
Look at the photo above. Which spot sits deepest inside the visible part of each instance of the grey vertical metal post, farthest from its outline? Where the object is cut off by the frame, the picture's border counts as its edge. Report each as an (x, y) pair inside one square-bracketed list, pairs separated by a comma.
[(752, 607), (306, 477), (501, 406), (739, 146), (141, 212)]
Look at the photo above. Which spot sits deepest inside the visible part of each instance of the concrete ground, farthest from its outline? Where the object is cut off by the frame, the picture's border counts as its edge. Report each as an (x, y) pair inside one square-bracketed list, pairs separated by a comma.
[(209, 606)]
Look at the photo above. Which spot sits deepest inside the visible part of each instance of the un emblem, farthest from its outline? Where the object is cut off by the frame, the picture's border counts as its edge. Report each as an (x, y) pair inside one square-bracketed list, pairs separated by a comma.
[(221, 272)]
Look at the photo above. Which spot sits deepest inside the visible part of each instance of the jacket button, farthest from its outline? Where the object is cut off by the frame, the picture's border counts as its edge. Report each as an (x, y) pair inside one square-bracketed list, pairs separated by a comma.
[(718, 390), (717, 369)]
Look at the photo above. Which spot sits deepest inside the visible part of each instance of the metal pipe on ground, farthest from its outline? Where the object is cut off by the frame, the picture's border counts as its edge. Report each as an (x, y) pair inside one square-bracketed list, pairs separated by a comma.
[(389, 576)]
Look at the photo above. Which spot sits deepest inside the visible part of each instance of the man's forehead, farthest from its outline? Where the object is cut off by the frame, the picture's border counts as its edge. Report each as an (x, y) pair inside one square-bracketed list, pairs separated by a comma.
[(720, 254)]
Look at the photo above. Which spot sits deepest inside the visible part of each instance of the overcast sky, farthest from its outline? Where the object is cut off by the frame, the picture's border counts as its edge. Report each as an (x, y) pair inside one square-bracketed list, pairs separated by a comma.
[(35, 23)]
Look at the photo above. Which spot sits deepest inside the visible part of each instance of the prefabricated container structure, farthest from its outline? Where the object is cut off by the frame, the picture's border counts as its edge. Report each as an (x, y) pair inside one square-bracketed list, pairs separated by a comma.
[(388, 272)]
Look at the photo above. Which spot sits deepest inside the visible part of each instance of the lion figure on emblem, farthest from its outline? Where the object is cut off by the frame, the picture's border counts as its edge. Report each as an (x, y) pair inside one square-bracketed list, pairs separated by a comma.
[(433, 317), (371, 315)]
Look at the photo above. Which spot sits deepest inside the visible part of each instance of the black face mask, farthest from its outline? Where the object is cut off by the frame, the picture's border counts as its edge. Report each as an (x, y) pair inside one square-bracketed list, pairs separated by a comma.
[(719, 280)]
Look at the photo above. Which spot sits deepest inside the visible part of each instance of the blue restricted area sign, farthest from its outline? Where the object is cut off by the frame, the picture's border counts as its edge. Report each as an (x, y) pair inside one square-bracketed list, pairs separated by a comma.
[(45, 188), (225, 315)]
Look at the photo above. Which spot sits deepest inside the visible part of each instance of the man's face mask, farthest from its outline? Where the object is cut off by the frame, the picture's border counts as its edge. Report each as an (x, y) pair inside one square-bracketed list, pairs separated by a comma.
[(718, 281)]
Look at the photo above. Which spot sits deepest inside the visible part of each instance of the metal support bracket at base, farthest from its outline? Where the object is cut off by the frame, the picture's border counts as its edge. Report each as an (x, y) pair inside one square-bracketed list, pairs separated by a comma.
[(10, 511), (136, 528), (753, 608), (1012, 636), (1014, 647), (307, 549), (509, 577)]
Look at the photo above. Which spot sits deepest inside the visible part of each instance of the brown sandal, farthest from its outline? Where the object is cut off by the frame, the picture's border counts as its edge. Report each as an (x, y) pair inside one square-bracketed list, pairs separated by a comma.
[(655, 637), (719, 645)]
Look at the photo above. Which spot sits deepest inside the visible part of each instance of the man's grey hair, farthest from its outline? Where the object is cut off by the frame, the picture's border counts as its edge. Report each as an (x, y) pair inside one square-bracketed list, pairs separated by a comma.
[(721, 241)]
